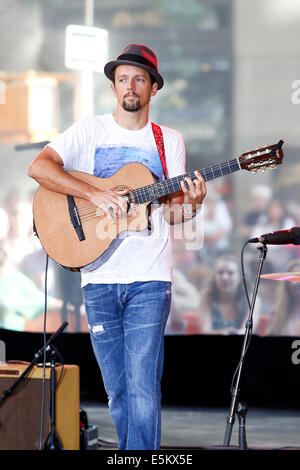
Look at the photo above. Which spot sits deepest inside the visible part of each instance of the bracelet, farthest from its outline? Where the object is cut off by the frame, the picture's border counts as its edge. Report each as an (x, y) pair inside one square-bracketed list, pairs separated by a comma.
[(187, 213)]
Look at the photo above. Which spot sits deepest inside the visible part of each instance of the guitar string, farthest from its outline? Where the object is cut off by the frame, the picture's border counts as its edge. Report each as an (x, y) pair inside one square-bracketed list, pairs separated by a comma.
[(172, 181), (229, 166), (83, 208), (88, 211), (93, 216), (66, 222), (94, 212), (177, 179)]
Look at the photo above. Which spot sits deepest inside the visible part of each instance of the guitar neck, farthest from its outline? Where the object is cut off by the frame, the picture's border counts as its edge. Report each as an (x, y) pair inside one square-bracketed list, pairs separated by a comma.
[(172, 185)]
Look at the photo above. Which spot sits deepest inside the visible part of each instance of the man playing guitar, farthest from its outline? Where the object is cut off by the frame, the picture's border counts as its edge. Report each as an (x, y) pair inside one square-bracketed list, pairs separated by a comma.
[(127, 297)]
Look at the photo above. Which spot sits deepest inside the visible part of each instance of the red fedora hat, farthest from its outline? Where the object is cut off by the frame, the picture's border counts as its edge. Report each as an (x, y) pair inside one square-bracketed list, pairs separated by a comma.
[(139, 56)]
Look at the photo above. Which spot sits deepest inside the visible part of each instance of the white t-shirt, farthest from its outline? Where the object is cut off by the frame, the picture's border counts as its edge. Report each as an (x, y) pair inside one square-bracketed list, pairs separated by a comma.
[(99, 146)]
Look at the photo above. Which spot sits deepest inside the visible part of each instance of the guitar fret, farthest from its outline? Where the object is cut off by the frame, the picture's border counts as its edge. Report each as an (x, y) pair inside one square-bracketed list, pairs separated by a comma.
[(204, 174), (138, 193), (209, 174)]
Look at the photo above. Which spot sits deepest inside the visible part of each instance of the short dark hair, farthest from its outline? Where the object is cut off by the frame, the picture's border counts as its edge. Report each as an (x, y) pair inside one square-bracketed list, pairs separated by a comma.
[(114, 72)]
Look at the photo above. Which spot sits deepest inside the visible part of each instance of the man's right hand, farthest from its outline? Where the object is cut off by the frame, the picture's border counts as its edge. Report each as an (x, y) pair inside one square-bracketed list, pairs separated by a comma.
[(111, 202)]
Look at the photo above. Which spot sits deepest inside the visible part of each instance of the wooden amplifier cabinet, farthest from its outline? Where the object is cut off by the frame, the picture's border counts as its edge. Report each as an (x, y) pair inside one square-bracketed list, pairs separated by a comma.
[(20, 413)]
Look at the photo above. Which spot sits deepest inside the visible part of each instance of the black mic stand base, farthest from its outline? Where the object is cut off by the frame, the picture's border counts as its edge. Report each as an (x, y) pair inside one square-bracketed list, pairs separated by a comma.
[(236, 407), (242, 410)]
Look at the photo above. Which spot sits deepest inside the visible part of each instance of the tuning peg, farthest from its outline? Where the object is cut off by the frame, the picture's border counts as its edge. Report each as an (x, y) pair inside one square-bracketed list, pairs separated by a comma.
[(254, 171)]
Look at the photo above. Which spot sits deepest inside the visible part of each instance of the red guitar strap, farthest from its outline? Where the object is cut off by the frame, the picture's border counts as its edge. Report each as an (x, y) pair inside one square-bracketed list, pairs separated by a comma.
[(158, 136)]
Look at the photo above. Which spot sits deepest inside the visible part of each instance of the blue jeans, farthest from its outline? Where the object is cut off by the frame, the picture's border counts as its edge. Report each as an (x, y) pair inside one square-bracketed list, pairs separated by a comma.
[(127, 323)]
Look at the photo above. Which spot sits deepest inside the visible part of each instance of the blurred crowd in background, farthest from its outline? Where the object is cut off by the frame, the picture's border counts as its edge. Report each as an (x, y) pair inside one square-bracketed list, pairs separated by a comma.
[(208, 291)]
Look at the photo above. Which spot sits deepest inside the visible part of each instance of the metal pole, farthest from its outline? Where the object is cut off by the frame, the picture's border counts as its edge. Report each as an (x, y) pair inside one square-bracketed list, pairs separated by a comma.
[(87, 78), (89, 13)]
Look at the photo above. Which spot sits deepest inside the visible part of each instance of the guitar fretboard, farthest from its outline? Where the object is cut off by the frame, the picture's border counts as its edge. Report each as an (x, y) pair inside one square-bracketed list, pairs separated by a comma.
[(172, 185)]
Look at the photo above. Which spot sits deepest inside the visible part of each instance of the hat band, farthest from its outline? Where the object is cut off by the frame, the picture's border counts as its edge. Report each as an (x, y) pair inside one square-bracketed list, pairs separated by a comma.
[(138, 59)]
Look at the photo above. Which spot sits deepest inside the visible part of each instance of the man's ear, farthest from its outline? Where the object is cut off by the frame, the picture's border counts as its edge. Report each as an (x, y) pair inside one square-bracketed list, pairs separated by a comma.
[(154, 89)]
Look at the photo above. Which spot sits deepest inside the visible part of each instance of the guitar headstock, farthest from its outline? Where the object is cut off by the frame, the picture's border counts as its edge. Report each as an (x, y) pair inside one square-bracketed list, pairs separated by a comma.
[(262, 158)]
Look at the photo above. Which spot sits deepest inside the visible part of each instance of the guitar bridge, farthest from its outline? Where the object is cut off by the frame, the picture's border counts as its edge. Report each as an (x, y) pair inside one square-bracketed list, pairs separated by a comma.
[(75, 219)]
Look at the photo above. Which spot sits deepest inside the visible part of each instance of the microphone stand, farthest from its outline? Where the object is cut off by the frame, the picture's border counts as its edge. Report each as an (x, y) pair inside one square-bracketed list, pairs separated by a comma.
[(47, 347), (7, 393), (237, 407)]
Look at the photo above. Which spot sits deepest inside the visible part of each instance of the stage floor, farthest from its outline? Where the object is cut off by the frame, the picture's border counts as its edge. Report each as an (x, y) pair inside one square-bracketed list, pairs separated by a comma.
[(266, 429)]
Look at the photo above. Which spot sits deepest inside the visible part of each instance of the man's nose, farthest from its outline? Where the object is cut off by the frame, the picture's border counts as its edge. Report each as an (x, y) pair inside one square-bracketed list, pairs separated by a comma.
[(130, 84)]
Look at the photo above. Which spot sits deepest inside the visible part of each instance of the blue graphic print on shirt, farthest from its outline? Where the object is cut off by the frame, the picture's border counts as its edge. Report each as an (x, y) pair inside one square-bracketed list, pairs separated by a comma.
[(109, 159)]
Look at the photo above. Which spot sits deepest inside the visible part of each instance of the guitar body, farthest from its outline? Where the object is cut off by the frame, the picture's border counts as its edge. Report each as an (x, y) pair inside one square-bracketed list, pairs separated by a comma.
[(57, 234)]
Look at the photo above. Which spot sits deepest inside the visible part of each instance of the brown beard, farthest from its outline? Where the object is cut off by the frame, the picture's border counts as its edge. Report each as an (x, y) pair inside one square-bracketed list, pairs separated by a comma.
[(133, 106)]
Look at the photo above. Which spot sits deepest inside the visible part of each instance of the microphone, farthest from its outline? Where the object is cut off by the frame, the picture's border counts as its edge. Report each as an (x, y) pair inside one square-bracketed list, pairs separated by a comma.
[(281, 237), (52, 338), (57, 333)]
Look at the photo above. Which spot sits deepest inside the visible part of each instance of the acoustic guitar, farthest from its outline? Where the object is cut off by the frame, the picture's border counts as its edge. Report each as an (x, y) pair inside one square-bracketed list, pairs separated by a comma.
[(75, 233)]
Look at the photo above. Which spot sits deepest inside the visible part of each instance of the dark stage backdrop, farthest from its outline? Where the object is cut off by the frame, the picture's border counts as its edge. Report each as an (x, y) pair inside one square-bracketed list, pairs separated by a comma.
[(198, 369)]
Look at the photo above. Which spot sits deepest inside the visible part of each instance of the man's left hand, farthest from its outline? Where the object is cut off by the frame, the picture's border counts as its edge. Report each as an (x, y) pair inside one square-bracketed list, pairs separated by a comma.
[(196, 191)]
